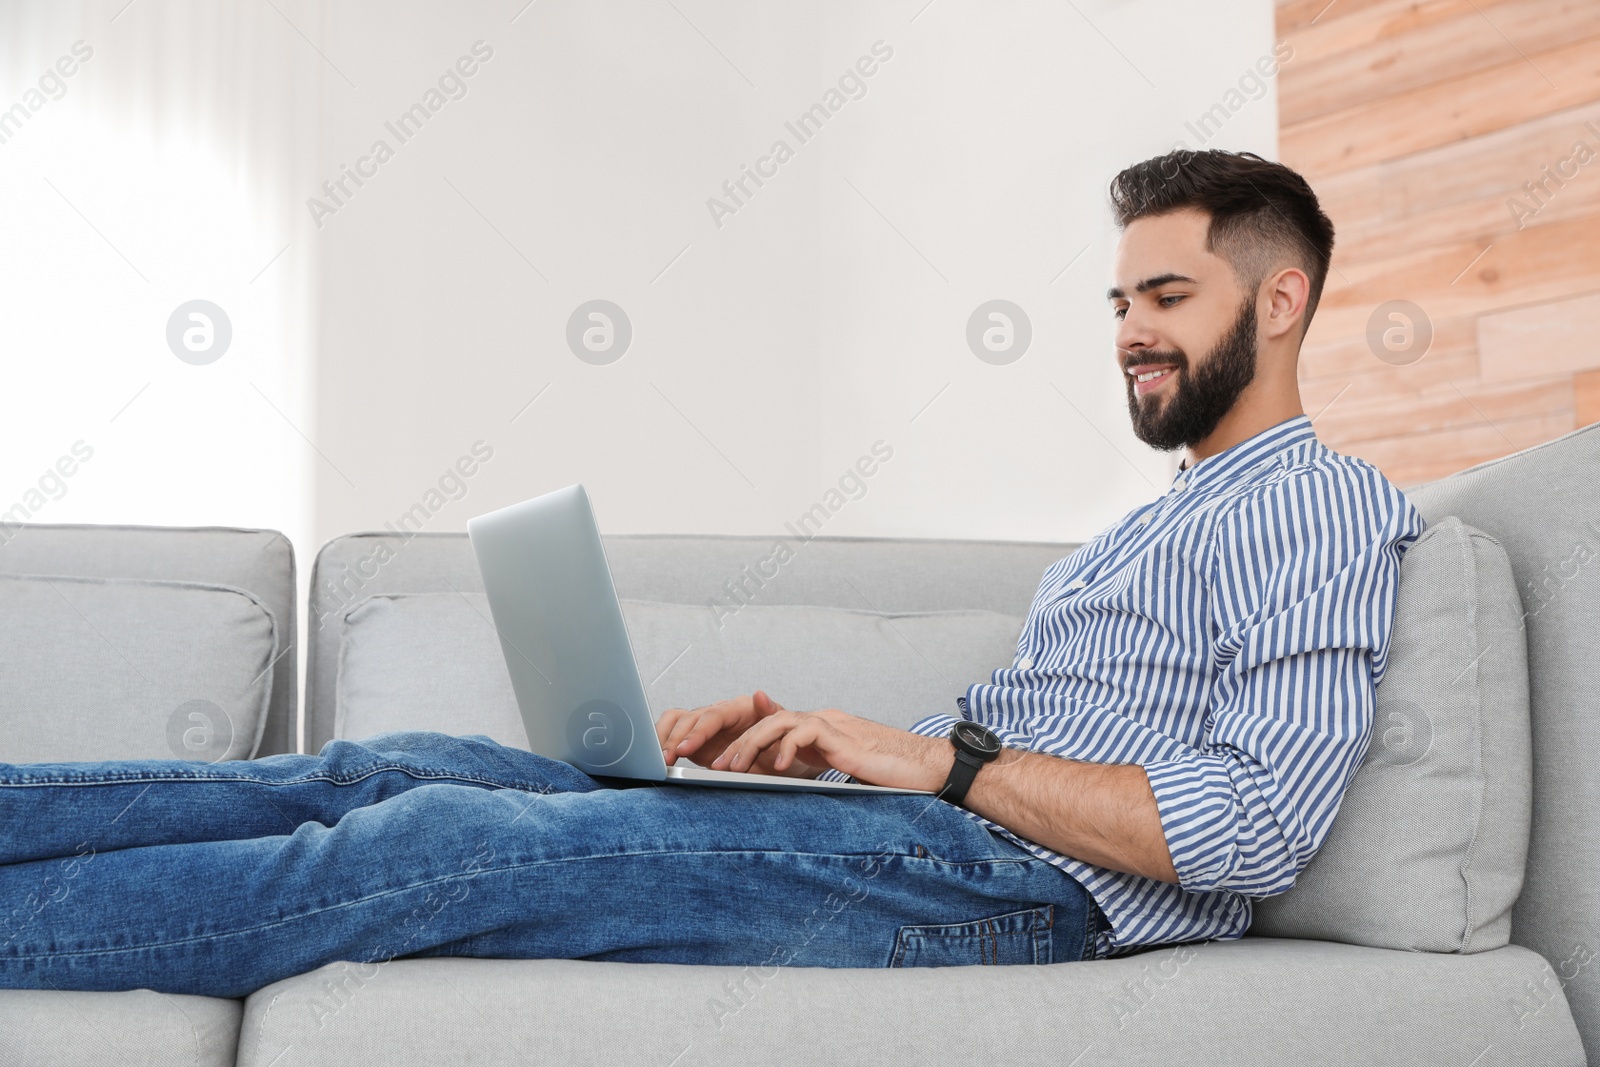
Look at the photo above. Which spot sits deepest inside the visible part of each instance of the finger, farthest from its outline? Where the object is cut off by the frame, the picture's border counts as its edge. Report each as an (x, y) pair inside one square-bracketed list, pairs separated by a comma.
[(730, 752), (787, 747), (681, 728), (806, 735), (739, 755), (690, 731), (665, 723), (700, 726)]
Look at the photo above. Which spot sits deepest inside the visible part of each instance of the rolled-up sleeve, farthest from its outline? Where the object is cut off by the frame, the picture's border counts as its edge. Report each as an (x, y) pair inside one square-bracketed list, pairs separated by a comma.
[(1303, 575)]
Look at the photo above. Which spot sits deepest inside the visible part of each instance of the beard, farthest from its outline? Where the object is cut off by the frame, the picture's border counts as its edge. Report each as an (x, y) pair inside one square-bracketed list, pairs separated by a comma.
[(1194, 402)]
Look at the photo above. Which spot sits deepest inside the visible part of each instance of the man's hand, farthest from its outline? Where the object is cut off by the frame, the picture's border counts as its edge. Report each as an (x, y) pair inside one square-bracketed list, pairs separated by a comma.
[(705, 733), (817, 740), (1104, 814)]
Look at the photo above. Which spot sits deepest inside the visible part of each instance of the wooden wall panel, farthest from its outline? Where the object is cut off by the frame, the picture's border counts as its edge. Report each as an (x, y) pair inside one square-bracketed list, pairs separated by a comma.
[(1361, 57), (1586, 397), (1558, 338), (1455, 109), (1465, 191), (1456, 146)]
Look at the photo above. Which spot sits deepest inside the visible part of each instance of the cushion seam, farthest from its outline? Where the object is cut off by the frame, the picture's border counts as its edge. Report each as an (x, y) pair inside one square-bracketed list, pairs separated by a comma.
[(1468, 871)]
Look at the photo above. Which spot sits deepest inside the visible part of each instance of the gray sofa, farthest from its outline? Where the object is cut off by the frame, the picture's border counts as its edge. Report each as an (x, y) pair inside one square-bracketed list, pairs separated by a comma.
[(1449, 917)]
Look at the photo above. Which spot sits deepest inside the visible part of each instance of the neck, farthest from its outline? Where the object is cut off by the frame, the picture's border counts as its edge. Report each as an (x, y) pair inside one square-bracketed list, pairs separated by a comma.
[(1250, 416)]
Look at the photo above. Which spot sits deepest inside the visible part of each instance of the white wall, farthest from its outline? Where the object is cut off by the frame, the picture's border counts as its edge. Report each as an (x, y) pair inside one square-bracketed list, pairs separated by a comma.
[(823, 316), (374, 345)]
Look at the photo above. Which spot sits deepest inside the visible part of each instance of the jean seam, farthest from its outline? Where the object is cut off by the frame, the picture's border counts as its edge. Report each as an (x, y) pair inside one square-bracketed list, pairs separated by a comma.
[(340, 780), (920, 852)]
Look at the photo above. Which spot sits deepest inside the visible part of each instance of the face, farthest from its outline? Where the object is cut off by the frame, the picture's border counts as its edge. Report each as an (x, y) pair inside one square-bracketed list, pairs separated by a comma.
[(1180, 310)]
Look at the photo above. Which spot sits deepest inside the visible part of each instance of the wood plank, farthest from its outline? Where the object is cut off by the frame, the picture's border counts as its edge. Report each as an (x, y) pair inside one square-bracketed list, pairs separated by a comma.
[(1554, 338), (1379, 378), (1586, 398), (1539, 264), (1443, 112), (1328, 366), (1403, 45), (1295, 16), (1498, 162), (1369, 414), (1417, 458), (1343, 32), (1464, 191)]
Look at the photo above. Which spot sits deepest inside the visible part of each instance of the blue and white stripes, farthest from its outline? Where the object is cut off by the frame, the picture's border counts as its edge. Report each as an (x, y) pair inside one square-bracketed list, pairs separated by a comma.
[(1229, 637)]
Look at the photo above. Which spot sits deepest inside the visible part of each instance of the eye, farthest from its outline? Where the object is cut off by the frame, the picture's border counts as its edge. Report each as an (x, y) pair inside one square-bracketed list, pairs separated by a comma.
[(1169, 296), (1119, 313)]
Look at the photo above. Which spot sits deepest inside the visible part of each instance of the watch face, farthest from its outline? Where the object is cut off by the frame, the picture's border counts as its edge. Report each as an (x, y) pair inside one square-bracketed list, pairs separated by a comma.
[(977, 739)]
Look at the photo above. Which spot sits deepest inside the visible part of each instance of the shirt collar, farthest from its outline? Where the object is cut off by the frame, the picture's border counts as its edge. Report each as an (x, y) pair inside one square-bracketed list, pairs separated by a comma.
[(1236, 459)]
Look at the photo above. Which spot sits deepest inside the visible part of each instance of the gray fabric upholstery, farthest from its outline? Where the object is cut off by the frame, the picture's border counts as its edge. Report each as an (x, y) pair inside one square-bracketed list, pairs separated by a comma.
[(139, 1028), (1543, 505), (117, 668), (1441, 806), (870, 575), (432, 661), (260, 562), (1258, 1002)]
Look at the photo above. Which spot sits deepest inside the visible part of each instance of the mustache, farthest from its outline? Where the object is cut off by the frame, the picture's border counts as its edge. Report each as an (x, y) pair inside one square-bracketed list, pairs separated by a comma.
[(1174, 358)]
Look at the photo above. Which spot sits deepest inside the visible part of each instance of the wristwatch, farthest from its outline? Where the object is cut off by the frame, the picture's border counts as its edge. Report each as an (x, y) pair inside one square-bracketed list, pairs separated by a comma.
[(975, 745)]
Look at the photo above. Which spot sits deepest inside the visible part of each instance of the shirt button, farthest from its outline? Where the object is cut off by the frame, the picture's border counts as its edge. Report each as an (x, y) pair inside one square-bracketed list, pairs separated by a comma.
[(1181, 482), (1076, 583), (1025, 663)]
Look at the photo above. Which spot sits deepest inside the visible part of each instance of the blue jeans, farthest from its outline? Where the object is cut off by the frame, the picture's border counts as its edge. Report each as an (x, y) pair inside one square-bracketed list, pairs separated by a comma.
[(220, 878)]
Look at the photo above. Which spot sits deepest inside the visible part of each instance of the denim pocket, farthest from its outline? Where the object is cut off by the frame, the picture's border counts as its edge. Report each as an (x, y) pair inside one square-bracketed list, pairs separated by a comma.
[(1015, 937)]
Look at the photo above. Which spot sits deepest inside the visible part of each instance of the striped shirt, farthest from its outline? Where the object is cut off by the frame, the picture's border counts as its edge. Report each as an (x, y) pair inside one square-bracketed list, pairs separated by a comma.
[(1229, 638)]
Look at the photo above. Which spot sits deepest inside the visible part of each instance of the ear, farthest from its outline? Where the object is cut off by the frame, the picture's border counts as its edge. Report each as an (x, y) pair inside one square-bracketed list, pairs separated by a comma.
[(1287, 292)]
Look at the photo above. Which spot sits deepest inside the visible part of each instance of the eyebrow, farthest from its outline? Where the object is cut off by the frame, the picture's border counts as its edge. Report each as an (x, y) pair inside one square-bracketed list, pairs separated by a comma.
[(1150, 283)]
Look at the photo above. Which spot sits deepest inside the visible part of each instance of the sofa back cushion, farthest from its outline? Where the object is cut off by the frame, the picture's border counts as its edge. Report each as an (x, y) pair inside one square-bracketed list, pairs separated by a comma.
[(1543, 505), (1428, 848), (131, 668), (432, 661), (258, 564), (724, 577)]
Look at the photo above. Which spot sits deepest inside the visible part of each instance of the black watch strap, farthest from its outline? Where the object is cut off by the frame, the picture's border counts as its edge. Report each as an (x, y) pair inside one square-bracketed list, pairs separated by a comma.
[(962, 773)]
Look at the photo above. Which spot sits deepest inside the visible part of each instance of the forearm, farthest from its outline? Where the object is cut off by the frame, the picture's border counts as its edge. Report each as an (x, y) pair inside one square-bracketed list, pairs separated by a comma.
[(1104, 814), (1100, 813)]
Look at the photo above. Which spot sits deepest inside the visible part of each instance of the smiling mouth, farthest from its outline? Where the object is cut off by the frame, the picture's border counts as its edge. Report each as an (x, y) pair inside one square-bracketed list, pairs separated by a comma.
[(1152, 380)]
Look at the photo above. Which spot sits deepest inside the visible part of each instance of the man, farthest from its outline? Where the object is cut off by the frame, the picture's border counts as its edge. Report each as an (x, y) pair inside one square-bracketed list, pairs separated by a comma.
[(1193, 691)]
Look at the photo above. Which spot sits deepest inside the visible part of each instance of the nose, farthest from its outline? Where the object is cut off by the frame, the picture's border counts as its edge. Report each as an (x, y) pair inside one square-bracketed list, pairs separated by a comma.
[(1133, 335)]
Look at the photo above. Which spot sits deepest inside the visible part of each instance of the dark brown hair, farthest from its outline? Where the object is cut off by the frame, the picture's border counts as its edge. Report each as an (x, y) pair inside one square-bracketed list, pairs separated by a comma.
[(1260, 211)]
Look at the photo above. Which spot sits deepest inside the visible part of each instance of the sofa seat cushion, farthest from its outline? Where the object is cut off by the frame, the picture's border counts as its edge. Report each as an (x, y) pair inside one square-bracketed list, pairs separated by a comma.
[(1257, 1002), (1428, 847), (138, 1028), (131, 668), (432, 661)]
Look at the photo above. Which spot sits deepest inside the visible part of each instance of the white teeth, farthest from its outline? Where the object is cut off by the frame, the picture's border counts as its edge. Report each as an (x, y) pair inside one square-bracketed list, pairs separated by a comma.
[(1145, 377)]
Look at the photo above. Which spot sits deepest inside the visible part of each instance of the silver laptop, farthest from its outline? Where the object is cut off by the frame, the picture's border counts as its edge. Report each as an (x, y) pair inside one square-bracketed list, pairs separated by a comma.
[(566, 647)]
